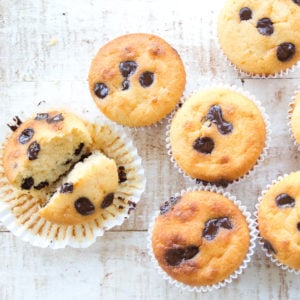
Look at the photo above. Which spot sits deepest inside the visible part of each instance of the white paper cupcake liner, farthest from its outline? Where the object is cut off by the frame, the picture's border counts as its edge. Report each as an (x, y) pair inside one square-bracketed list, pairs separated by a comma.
[(19, 210), (261, 240), (260, 159), (236, 273), (290, 112), (214, 34)]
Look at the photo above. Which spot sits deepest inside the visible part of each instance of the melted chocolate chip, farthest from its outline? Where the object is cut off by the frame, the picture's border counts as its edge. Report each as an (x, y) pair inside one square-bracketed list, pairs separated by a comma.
[(84, 206), (33, 150), (284, 201), (204, 145), (146, 79), (215, 116), (122, 174), (101, 90), (168, 205), (108, 200), (79, 149), (125, 85), (245, 14), (55, 119), (41, 116), (268, 246), (297, 2), (27, 183), (285, 51), (67, 187), (176, 256), (265, 26), (26, 135), (298, 226), (41, 185), (213, 226), (127, 68)]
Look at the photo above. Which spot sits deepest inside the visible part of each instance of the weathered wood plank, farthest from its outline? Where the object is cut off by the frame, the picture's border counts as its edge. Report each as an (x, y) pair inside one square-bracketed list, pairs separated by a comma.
[(102, 272)]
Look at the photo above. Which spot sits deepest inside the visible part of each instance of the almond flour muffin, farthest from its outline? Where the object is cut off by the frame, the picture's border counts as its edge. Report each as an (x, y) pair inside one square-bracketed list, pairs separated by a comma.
[(217, 135), (279, 222), (260, 37), (200, 238), (136, 79)]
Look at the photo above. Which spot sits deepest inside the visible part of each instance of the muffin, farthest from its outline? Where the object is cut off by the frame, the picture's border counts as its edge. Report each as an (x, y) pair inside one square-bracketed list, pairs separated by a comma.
[(43, 148), (87, 190), (260, 38), (278, 220), (211, 135), (136, 79), (99, 188), (200, 238), (295, 117)]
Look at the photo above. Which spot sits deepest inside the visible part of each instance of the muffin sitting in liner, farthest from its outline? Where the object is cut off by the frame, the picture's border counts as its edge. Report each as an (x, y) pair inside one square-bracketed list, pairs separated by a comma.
[(217, 135), (136, 79), (261, 37), (201, 238), (61, 171)]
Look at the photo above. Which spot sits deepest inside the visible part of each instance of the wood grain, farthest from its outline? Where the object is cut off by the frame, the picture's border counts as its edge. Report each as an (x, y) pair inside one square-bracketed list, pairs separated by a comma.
[(45, 51)]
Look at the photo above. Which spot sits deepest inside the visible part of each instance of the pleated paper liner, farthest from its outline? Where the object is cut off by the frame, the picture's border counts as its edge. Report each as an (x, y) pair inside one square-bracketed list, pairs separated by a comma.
[(294, 101), (261, 241), (19, 211), (260, 159), (236, 273)]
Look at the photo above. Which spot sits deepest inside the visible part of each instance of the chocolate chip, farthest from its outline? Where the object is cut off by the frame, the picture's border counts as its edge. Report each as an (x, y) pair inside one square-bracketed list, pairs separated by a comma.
[(297, 2), (79, 149), (168, 205), (101, 90), (215, 116), (26, 135), (41, 116), (27, 183), (213, 226), (17, 124), (265, 26), (285, 51), (55, 119), (146, 79), (298, 226), (125, 85), (122, 174), (268, 246), (204, 145), (84, 206), (127, 68), (33, 150), (108, 200), (284, 201), (245, 14), (176, 256), (41, 185), (67, 187)]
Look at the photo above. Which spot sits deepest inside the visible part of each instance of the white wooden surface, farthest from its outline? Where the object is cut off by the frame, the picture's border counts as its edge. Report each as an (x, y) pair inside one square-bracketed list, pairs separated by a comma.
[(45, 51)]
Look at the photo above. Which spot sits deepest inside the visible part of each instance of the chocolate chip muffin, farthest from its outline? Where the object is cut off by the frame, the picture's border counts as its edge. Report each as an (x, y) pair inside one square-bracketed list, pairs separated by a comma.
[(86, 191), (212, 135), (279, 222), (200, 238), (43, 148), (295, 117), (260, 37), (136, 79)]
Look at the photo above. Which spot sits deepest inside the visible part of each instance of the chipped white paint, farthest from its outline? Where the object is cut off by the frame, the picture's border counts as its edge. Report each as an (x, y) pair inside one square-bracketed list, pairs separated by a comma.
[(45, 50)]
